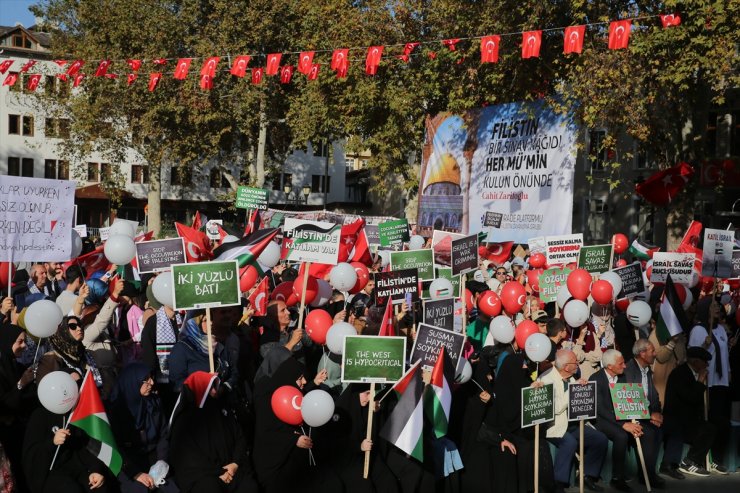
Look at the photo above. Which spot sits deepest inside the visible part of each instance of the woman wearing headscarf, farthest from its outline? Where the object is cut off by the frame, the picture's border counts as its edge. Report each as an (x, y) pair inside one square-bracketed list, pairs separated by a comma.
[(157, 340), (275, 329), (208, 451), (140, 429), (68, 354)]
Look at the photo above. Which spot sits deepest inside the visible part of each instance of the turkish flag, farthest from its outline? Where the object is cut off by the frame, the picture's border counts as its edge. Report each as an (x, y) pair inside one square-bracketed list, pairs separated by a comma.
[(305, 62), (61, 63), (159, 61), (662, 187), (348, 242), (619, 34), (27, 66), (498, 253), (206, 82), (62, 77), (531, 42), (257, 74), (131, 78), (10, 79), (183, 65), (340, 62), (5, 66), (111, 76), (197, 244), (407, 50), (670, 20), (33, 82), (197, 222), (374, 54), (78, 79), (134, 64), (209, 67), (690, 241), (154, 79), (573, 39), (75, 67), (259, 297), (489, 48), (314, 72), (102, 68), (92, 262), (450, 43), (387, 328), (286, 73), (239, 67), (273, 63)]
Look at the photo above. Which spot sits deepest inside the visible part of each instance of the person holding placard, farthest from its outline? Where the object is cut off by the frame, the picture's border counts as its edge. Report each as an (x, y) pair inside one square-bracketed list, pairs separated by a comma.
[(564, 435)]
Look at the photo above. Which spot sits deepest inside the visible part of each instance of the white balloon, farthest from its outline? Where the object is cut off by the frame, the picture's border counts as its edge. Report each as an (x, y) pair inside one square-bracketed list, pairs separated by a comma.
[(385, 257), (120, 249), (575, 313), (58, 392), (162, 289), (343, 277), (613, 278), (694, 279), (466, 373), (76, 244), (563, 296), (335, 336), (43, 318), (441, 288), (324, 294), (689, 299), (538, 347), (639, 313), (502, 329), (270, 256), (416, 242), (229, 239), (122, 228), (317, 408)]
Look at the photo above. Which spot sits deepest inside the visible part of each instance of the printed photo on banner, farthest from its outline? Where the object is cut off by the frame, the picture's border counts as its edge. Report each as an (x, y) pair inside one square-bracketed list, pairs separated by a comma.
[(717, 258), (442, 246), (311, 241), (428, 342), (522, 166), (562, 250), (537, 245), (680, 266), (371, 359)]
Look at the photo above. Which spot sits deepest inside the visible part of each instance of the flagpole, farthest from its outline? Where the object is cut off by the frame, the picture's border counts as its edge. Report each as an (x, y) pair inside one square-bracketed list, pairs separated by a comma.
[(10, 275), (371, 408), (211, 365), (464, 302), (64, 427), (306, 266)]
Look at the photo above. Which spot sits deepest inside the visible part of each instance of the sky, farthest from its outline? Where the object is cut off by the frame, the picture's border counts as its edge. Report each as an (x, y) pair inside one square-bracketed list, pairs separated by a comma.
[(13, 11)]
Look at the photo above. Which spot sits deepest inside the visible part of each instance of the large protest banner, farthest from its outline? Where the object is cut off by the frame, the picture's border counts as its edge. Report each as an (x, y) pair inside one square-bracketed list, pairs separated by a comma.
[(428, 342), (36, 218), (516, 159), (717, 258), (205, 285), (373, 359), (735, 263), (311, 241)]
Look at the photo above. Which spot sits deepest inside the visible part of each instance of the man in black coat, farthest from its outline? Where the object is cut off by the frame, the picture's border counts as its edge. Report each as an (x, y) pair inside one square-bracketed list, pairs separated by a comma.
[(638, 370), (684, 414), (619, 432)]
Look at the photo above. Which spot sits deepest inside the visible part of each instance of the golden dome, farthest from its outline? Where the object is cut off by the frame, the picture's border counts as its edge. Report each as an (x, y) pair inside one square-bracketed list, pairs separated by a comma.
[(444, 170)]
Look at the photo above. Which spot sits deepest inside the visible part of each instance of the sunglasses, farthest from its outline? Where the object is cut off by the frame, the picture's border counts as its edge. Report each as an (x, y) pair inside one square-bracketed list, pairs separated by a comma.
[(500, 273), (73, 326)]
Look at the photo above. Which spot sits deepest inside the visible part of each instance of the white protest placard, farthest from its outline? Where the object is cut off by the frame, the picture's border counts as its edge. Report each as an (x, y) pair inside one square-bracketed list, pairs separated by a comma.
[(134, 225), (104, 233), (563, 249), (81, 230), (311, 241), (537, 244), (717, 258), (680, 266), (36, 216)]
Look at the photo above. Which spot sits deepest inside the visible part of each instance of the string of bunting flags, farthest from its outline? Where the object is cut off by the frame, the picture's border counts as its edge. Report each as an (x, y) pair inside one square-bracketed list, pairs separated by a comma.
[(490, 45)]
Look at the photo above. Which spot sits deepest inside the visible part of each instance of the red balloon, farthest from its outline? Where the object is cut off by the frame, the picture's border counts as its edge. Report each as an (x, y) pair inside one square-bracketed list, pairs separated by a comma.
[(363, 276), (317, 325), (602, 292), (621, 243), (707, 283), (579, 284), (537, 260), (489, 303), (525, 329), (513, 297), (286, 404), (621, 262), (533, 279), (734, 284), (4, 275), (622, 304), (468, 300), (247, 278), (312, 288)]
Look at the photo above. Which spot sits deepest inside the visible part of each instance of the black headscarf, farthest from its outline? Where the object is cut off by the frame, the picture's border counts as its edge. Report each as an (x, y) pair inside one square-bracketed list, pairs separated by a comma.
[(66, 346), (146, 411), (8, 335)]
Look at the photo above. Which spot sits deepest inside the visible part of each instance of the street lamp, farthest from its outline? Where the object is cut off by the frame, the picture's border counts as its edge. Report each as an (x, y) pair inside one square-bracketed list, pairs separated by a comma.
[(306, 192)]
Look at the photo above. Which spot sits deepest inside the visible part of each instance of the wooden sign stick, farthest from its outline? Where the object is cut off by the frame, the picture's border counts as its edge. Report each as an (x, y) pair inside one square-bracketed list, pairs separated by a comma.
[(370, 410), (211, 365), (642, 460), (581, 456), (537, 458), (306, 267)]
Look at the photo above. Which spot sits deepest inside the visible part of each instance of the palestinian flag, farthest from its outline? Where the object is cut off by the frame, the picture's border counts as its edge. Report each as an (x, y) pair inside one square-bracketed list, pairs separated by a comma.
[(642, 250), (405, 424), (671, 317), (247, 249), (438, 395), (408, 377), (89, 416)]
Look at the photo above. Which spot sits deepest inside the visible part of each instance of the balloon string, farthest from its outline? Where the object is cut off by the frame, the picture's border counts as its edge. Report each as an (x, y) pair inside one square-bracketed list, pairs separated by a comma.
[(479, 385), (64, 427), (311, 459)]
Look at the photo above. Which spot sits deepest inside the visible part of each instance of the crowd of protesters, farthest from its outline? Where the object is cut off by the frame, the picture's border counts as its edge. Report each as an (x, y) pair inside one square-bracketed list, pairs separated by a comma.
[(217, 432)]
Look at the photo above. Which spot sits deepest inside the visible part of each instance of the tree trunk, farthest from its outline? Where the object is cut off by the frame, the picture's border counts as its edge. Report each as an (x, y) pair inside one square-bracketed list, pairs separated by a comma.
[(154, 214), (261, 144)]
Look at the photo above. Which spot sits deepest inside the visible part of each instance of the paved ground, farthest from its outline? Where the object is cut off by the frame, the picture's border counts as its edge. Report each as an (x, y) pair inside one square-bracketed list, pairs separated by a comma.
[(713, 484)]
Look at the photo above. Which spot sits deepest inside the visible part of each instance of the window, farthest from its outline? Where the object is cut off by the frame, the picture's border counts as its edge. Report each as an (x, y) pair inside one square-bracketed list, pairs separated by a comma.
[(50, 127), (27, 167), (597, 153), (21, 40), (279, 181), (317, 184), (105, 171), (56, 169), (218, 179), (27, 126), (14, 124), (93, 172), (180, 176), (14, 166), (643, 159), (363, 164), (63, 128), (139, 173), (50, 84), (320, 149), (350, 164), (596, 219)]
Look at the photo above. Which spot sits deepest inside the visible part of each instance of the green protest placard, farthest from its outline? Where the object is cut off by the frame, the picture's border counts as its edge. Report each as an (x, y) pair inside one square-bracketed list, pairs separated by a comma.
[(205, 285), (373, 359), (415, 259), (251, 198), (595, 259), (629, 401), (392, 232), (550, 282), (537, 405)]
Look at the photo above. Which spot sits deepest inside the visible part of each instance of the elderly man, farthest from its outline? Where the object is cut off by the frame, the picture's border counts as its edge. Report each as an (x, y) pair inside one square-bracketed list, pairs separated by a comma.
[(40, 283), (564, 435), (638, 370), (619, 432)]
